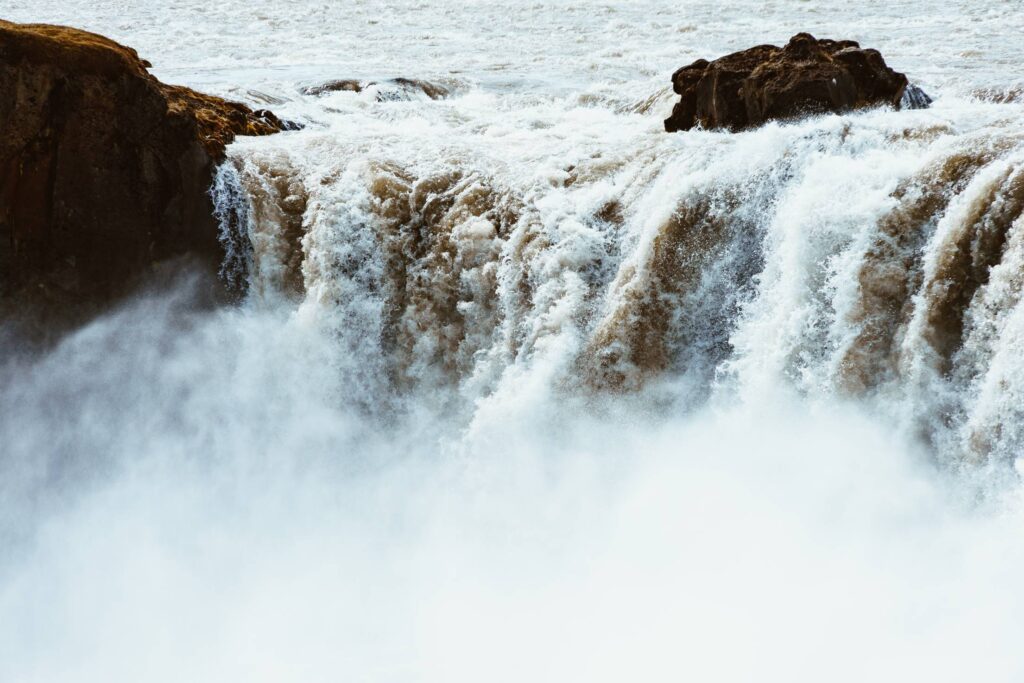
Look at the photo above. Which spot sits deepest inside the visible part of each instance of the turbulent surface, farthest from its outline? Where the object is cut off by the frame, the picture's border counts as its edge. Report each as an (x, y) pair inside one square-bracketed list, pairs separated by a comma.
[(526, 389)]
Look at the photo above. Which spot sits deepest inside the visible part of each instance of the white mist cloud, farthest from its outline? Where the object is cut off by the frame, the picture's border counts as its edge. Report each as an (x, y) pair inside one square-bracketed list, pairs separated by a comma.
[(214, 512)]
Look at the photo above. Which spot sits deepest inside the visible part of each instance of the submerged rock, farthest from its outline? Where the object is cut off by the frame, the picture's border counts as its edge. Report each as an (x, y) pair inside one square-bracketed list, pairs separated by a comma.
[(390, 90), (764, 83), (104, 171), (337, 85), (915, 98)]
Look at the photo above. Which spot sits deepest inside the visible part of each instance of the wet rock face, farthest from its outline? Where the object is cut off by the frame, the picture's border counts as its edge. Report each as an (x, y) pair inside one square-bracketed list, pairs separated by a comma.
[(764, 83), (104, 171)]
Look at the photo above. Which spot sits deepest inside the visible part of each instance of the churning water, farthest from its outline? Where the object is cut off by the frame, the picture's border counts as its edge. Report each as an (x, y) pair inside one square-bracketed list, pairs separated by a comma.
[(524, 388)]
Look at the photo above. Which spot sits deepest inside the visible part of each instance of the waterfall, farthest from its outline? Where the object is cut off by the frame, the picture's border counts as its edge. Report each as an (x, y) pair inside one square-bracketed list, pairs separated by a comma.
[(866, 257), (515, 386)]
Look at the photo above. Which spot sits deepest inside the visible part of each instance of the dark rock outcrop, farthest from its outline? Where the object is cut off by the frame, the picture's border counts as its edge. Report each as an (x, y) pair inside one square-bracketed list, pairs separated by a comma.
[(104, 171), (764, 83)]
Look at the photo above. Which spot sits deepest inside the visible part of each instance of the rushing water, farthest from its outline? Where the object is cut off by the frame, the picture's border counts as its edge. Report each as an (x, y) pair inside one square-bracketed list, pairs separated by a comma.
[(524, 388)]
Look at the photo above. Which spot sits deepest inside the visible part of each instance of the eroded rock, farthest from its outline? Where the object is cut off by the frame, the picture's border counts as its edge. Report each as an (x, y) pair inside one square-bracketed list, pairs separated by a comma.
[(765, 83)]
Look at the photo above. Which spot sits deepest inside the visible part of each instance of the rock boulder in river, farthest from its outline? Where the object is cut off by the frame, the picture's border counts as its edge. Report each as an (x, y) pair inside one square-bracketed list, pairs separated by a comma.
[(104, 170), (764, 83)]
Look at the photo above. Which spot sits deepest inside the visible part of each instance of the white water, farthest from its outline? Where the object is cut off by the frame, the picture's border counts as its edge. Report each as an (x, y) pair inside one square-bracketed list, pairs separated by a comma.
[(526, 389)]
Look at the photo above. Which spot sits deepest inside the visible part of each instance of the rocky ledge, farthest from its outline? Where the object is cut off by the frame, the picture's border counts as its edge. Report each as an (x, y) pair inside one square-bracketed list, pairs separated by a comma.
[(104, 170), (764, 83)]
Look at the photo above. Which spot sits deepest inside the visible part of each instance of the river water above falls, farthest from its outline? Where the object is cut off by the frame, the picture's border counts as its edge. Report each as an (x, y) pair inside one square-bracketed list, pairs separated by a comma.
[(524, 388)]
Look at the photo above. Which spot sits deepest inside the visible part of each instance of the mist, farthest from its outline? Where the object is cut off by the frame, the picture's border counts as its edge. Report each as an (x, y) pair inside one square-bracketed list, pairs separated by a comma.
[(227, 514)]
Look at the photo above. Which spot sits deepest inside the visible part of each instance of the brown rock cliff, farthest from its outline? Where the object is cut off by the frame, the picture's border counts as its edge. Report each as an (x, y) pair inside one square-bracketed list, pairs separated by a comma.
[(104, 171)]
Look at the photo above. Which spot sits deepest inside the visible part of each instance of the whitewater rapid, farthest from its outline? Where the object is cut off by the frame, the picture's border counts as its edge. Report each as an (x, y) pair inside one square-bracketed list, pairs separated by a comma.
[(519, 387)]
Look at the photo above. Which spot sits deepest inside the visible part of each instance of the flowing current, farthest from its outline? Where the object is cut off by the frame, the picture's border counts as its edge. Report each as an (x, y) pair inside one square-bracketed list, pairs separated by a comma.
[(521, 388)]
